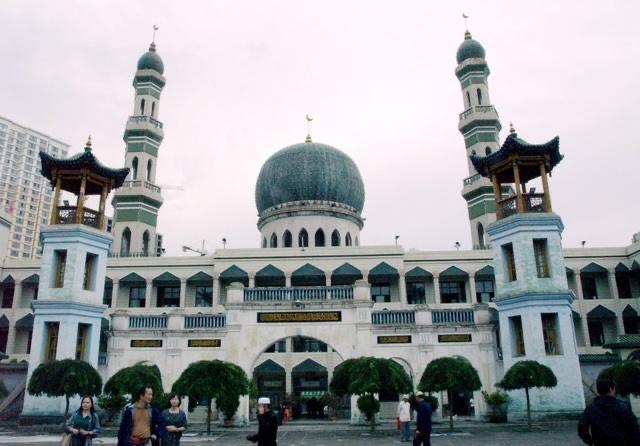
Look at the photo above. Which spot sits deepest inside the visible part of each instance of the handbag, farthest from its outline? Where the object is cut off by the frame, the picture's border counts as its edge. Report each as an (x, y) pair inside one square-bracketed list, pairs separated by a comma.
[(398, 423), (66, 439)]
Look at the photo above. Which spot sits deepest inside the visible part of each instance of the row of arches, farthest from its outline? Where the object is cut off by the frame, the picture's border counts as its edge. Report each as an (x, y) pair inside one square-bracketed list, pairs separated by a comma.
[(319, 239), (125, 242), (478, 95), (143, 103), (134, 169), (487, 151)]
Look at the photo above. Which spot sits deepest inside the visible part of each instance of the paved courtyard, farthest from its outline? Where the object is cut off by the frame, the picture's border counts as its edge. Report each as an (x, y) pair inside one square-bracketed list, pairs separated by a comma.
[(325, 435)]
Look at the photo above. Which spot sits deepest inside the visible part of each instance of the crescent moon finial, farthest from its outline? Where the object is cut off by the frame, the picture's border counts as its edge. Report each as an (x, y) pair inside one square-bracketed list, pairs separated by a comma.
[(309, 118)]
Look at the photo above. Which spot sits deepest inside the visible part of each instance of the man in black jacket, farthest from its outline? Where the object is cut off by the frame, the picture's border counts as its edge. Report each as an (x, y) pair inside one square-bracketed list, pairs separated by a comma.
[(608, 421), (267, 425)]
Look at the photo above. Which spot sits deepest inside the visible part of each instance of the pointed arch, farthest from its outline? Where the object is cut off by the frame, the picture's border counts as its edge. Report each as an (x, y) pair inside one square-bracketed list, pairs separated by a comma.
[(487, 150), (479, 94), (319, 238), (273, 242), (347, 240), (287, 239), (481, 242), (468, 100), (142, 103), (134, 168), (145, 243), (153, 109), (270, 276), (335, 238), (149, 169), (303, 238), (125, 242), (308, 275)]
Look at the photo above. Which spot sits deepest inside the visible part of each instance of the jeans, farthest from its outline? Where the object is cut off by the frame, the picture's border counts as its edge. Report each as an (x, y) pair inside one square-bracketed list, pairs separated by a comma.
[(405, 431)]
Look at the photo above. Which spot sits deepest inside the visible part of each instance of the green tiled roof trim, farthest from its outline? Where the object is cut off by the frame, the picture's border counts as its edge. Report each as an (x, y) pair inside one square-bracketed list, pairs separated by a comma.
[(308, 365), (308, 270), (417, 273), (83, 159), (453, 272), (599, 357), (269, 366), (625, 341), (166, 278), (601, 312), (513, 144)]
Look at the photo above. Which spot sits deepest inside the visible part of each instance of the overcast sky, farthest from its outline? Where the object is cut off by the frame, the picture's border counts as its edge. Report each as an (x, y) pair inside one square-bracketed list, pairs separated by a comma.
[(378, 76)]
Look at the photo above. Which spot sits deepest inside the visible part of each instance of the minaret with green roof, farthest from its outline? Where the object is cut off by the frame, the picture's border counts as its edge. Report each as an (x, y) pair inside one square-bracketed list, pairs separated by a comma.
[(137, 203), (480, 127)]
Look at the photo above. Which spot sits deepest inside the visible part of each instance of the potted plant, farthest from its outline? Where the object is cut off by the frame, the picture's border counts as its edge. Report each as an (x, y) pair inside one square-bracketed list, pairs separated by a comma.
[(497, 403)]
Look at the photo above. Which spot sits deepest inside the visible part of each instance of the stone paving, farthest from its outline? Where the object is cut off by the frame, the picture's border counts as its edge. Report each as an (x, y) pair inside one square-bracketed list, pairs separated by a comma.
[(552, 434)]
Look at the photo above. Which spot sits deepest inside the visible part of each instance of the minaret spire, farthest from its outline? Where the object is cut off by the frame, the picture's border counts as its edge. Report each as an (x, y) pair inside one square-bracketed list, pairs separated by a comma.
[(467, 34), (309, 119)]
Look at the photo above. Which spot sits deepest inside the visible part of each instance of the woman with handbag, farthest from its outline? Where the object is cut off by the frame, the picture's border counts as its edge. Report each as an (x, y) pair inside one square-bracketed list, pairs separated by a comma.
[(83, 425)]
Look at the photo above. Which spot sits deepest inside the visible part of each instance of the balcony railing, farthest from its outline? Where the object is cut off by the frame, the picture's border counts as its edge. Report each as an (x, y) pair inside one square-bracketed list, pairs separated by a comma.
[(68, 215), (452, 317), (204, 321), (102, 359), (142, 118), (393, 318), (472, 179), (141, 183), (148, 322), (316, 293), (477, 109), (532, 203)]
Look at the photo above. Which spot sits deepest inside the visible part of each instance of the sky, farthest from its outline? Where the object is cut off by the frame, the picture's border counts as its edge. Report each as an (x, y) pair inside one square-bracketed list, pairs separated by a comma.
[(378, 78)]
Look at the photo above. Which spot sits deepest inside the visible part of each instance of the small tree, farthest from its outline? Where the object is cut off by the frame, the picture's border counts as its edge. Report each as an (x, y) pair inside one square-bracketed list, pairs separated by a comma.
[(450, 374), (626, 376), (111, 404), (528, 375), (367, 376), (206, 380), (128, 381), (67, 378)]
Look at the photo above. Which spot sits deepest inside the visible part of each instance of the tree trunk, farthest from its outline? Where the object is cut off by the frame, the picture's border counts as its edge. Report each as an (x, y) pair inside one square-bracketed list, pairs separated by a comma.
[(526, 390), (209, 416), (66, 411), (450, 399)]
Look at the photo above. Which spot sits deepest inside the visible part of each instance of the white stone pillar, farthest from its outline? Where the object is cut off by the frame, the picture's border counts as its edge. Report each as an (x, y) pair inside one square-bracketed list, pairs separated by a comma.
[(115, 290), (288, 381), (472, 288), (436, 289), (402, 284), (215, 298), (17, 295), (612, 284), (579, 286), (11, 339), (147, 294), (287, 279), (252, 280), (183, 293)]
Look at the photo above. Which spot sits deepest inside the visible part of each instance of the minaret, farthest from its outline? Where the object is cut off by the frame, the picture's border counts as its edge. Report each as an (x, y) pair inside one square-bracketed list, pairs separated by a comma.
[(69, 309), (532, 295), (480, 127), (137, 203)]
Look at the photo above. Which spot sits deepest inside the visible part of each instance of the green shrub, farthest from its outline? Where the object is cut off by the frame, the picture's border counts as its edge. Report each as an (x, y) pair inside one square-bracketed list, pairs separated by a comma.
[(369, 406), (111, 404), (496, 398)]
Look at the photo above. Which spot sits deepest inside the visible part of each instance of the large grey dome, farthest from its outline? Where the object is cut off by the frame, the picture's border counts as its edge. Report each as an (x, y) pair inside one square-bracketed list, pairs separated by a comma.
[(151, 60), (309, 171), (469, 49)]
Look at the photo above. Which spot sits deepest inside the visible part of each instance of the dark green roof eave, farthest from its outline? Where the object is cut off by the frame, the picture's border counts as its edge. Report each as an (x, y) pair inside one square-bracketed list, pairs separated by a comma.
[(85, 159), (513, 144)]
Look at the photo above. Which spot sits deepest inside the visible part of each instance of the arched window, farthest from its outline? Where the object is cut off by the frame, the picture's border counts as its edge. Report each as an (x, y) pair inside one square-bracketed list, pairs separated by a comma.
[(479, 96), (142, 106), (347, 240), (468, 100), (149, 167), (303, 239), (473, 152), (335, 238), (264, 242), (487, 150), (481, 236), (153, 109), (134, 168), (145, 243), (319, 238), (273, 243), (287, 239), (125, 243)]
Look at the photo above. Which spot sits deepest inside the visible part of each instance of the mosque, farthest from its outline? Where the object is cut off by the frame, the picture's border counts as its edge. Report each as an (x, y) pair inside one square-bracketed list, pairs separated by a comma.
[(311, 296)]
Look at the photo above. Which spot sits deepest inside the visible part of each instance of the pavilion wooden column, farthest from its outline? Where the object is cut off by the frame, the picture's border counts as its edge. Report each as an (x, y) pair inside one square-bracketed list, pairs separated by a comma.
[(103, 199), (56, 201), (80, 207), (496, 194), (545, 187), (516, 177)]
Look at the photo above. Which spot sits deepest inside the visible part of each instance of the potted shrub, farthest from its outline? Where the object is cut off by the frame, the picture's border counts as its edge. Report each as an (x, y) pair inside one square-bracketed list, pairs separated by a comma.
[(497, 403)]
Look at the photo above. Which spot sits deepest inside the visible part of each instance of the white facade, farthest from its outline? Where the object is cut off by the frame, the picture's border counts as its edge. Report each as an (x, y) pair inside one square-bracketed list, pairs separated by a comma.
[(25, 195)]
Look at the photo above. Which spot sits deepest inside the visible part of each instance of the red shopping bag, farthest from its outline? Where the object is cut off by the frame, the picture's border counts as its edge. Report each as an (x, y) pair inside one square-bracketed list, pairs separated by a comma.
[(397, 422)]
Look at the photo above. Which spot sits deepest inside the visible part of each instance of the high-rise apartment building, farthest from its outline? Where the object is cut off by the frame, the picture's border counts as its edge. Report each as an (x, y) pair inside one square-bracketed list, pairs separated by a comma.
[(24, 196)]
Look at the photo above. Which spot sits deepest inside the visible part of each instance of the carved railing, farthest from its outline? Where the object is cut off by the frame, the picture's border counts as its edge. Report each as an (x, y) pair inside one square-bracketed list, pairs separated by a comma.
[(148, 322), (314, 293), (68, 215), (204, 321), (393, 317), (141, 183), (532, 203), (477, 109), (472, 179), (149, 119), (452, 317)]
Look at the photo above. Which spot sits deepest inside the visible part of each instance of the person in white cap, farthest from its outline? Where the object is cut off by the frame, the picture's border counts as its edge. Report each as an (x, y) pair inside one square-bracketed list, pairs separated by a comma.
[(267, 425), (404, 416)]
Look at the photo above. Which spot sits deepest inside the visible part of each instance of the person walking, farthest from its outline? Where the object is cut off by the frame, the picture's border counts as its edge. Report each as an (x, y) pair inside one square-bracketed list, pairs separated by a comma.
[(175, 421), (608, 421), (267, 425), (404, 415), (83, 424), (422, 436), (141, 422)]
